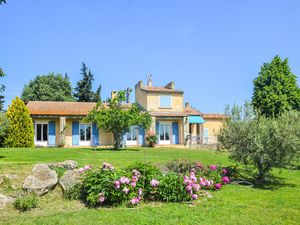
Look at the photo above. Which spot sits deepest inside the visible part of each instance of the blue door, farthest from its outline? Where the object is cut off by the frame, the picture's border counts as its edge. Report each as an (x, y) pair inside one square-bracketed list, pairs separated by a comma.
[(141, 136), (51, 133), (75, 133), (95, 135), (175, 139), (157, 131)]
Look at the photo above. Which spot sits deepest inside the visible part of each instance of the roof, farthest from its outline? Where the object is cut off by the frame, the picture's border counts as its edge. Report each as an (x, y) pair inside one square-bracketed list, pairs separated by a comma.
[(214, 116), (52, 108), (160, 89), (168, 114), (192, 111)]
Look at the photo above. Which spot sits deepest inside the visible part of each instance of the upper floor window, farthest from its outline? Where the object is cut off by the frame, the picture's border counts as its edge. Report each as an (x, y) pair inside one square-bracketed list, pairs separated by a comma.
[(165, 101)]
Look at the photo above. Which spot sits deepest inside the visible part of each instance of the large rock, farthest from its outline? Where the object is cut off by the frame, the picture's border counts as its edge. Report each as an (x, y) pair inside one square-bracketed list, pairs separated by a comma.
[(41, 180), (5, 200), (68, 164), (69, 179)]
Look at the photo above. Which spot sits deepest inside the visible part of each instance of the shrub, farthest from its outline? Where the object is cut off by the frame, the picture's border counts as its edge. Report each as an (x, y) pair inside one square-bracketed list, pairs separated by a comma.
[(151, 138), (25, 202), (20, 130), (172, 189), (4, 124)]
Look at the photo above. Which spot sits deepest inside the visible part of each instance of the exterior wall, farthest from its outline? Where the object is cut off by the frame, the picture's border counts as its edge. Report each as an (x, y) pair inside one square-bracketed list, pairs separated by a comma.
[(141, 97), (213, 126), (153, 103), (106, 138), (68, 132)]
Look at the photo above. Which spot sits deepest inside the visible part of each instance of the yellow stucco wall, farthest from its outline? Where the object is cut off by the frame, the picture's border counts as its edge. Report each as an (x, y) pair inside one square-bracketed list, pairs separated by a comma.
[(213, 126), (141, 97), (153, 102), (106, 138)]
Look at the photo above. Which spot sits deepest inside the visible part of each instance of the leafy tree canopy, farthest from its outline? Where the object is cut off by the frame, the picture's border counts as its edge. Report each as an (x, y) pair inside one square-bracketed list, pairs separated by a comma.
[(275, 89), (117, 117), (3, 128), (50, 87)]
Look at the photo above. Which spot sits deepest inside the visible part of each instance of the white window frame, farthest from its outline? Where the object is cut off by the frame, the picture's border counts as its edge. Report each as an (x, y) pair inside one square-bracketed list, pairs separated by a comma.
[(85, 143), (132, 142), (166, 107), (41, 142), (164, 124)]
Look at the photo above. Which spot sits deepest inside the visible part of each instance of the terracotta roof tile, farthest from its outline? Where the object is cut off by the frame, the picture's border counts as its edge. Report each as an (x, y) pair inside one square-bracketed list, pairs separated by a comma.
[(192, 111), (160, 89), (214, 116)]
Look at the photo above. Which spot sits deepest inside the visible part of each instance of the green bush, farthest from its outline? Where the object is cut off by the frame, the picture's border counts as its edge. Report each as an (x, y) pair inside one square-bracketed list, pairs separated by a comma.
[(25, 202), (20, 130), (172, 189), (4, 124)]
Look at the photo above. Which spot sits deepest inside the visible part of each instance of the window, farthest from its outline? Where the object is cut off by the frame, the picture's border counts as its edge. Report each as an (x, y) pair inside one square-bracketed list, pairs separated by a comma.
[(164, 131), (132, 134), (85, 132), (165, 101), (42, 132)]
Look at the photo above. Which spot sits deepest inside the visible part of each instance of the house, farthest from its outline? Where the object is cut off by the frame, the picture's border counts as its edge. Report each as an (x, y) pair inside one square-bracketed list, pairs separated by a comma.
[(175, 123)]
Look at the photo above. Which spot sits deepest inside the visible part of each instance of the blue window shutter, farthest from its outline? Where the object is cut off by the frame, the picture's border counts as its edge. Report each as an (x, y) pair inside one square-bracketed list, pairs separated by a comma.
[(175, 139), (75, 133), (51, 133), (95, 135), (124, 138), (157, 131), (165, 101), (141, 136)]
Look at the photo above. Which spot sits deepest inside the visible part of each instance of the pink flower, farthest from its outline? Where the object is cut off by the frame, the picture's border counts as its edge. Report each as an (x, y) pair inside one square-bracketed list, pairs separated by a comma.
[(199, 166), (188, 188), (125, 190), (224, 171), (134, 178), (87, 167), (133, 184), (225, 180), (124, 180), (101, 198), (140, 191), (107, 166), (185, 179), (218, 186), (117, 184), (213, 167), (136, 173), (194, 196), (196, 187), (193, 179), (154, 183), (81, 170), (134, 201)]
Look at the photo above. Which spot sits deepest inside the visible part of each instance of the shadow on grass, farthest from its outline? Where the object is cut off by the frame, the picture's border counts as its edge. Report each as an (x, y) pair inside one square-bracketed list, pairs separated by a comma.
[(112, 149), (1, 156)]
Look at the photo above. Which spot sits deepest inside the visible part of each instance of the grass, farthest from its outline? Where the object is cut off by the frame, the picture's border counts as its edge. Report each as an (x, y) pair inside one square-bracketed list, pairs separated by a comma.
[(234, 204)]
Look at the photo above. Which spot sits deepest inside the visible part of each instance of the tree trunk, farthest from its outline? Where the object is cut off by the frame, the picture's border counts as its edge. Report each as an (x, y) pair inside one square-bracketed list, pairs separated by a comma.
[(117, 141)]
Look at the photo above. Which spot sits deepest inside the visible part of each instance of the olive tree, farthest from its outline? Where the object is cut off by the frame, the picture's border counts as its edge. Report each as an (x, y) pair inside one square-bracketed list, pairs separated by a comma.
[(264, 143)]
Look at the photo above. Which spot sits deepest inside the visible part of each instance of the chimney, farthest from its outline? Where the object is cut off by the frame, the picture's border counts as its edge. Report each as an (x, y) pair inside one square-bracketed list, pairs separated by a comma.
[(149, 80), (170, 85), (187, 105), (113, 94)]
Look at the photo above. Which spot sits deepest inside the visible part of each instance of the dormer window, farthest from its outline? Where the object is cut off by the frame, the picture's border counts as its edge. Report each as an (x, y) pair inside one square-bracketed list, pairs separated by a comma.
[(165, 101)]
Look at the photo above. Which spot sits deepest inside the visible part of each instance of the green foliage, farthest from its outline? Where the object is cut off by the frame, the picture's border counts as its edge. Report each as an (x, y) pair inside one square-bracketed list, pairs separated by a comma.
[(172, 189), (180, 166), (83, 90), (117, 117), (4, 124), (25, 202), (275, 89), (50, 87), (97, 95), (20, 130), (263, 142), (2, 1)]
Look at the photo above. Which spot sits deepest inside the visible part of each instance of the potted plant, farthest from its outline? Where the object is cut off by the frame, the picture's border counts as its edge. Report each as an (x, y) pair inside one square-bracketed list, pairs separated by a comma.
[(151, 138)]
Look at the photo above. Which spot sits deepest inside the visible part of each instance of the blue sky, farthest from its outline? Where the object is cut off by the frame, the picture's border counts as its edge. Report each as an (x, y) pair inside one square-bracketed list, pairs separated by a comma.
[(211, 49)]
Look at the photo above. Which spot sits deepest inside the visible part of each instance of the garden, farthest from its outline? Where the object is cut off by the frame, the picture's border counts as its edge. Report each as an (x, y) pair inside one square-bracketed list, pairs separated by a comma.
[(149, 186)]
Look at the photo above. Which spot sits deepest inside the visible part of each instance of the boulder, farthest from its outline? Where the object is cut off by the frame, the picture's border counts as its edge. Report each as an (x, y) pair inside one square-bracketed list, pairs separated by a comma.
[(68, 164), (5, 200), (41, 180), (69, 179), (7, 176)]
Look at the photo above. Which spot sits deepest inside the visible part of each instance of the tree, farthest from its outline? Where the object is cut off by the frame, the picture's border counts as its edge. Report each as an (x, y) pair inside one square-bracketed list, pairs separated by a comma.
[(2, 1), (20, 132), (117, 117), (263, 142), (97, 95), (128, 92), (2, 88), (275, 89), (83, 91), (3, 128), (50, 87)]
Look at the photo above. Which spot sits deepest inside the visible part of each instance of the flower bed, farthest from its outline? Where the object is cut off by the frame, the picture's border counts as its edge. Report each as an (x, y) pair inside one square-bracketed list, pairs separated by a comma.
[(106, 186)]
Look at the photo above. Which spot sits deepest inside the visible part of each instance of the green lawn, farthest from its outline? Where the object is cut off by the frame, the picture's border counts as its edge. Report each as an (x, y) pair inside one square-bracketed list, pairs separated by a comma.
[(234, 204)]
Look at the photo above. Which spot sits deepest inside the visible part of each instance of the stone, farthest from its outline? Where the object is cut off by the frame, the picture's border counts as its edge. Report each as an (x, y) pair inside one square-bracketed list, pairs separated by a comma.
[(69, 179), (68, 164), (5, 200), (7, 176), (41, 180)]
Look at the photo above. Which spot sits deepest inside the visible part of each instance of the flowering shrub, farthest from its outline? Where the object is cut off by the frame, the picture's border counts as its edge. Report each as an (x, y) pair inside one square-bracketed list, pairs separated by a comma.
[(143, 181), (151, 138)]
